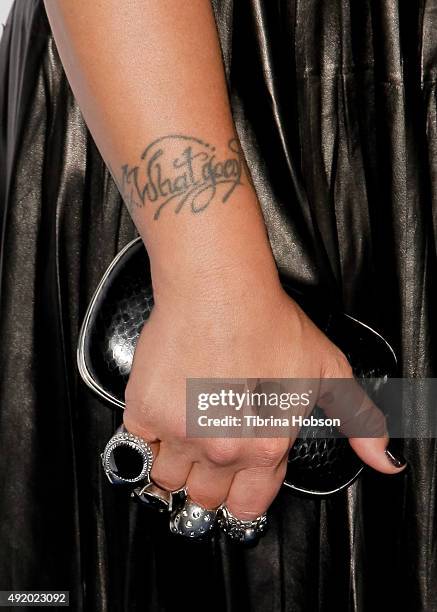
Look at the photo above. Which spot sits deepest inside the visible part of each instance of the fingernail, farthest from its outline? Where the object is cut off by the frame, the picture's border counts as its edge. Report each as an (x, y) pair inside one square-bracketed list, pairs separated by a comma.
[(394, 455)]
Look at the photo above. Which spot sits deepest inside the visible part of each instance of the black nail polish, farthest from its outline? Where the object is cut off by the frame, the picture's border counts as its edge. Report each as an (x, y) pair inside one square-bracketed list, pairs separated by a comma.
[(393, 453)]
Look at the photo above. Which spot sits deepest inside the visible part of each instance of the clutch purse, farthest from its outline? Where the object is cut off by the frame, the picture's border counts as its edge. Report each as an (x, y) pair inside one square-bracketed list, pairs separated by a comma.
[(121, 306)]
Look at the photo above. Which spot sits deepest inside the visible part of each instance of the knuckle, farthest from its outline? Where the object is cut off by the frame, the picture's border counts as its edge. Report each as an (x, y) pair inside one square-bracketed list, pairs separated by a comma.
[(222, 452), (140, 393), (139, 416), (136, 422), (134, 401), (270, 453)]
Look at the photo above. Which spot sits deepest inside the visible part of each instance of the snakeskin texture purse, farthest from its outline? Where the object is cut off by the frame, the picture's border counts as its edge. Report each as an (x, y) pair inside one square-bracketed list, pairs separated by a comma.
[(121, 306)]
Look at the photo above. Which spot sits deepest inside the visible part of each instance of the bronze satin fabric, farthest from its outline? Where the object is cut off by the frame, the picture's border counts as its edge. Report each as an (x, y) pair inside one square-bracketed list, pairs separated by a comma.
[(335, 104)]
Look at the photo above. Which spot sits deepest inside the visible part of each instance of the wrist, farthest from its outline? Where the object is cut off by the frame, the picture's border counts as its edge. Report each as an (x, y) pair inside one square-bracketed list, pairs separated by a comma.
[(234, 303), (217, 280)]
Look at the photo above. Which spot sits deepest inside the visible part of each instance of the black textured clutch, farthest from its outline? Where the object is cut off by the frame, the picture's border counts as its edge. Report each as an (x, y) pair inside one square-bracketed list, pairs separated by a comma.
[(123, 302)]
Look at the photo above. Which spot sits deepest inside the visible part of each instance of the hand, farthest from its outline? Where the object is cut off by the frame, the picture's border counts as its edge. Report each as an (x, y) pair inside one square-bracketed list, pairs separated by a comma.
[(242, 333)]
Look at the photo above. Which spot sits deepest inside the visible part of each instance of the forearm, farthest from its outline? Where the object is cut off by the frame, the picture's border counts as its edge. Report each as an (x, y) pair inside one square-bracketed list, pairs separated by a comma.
[(149, 79)]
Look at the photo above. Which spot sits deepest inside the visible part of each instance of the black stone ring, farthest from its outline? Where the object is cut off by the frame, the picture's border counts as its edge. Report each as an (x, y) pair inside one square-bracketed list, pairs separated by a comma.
[(127, 459)]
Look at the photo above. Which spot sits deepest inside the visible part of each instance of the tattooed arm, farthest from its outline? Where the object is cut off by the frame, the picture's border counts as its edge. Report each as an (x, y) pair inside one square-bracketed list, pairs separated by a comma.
[(149, 79)]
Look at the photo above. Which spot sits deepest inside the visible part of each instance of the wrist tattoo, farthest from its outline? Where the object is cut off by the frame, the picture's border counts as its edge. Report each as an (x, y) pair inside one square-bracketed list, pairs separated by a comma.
[(182, 172)]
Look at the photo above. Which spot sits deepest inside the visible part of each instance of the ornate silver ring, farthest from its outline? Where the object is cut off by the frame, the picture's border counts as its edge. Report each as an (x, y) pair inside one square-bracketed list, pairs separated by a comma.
[(238, 530), (127, 459)]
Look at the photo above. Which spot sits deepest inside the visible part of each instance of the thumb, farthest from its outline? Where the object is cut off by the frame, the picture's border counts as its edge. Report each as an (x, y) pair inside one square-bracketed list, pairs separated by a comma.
[(363, 423), (382, 454)]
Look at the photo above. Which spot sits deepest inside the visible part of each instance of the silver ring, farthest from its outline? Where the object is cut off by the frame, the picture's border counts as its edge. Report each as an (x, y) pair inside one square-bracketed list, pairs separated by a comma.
[(192, 520), (153, 497), (127, 459), (241, 531)]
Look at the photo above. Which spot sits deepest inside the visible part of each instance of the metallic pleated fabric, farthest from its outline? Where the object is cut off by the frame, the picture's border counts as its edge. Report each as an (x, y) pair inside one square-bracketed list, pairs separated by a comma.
[(335, 104)]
